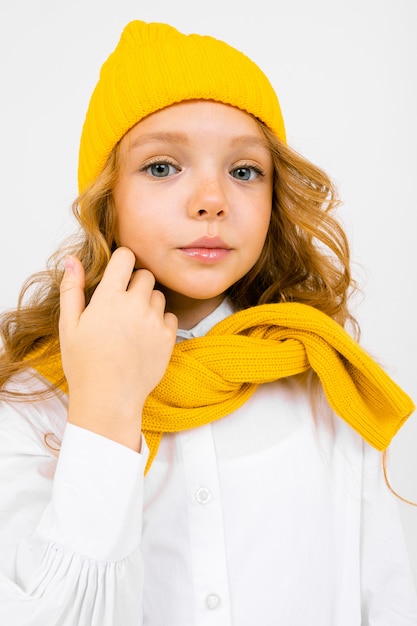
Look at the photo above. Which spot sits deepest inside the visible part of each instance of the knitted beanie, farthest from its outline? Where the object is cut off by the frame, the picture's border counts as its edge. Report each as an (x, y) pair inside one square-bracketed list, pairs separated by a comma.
[(154, 66)]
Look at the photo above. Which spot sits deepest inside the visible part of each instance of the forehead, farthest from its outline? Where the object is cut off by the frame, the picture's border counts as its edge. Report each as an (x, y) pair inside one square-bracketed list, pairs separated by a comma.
[(180, 122)]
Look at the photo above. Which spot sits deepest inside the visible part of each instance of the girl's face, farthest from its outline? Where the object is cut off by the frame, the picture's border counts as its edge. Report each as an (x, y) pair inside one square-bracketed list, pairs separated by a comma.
[(193, 201)]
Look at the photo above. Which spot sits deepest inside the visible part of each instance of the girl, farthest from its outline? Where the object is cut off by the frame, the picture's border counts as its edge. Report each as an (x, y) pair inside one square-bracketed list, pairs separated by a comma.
[(196, 441)]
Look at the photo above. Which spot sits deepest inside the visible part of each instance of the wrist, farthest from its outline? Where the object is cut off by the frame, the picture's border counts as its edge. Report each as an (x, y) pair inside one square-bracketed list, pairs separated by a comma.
[(123, 427)]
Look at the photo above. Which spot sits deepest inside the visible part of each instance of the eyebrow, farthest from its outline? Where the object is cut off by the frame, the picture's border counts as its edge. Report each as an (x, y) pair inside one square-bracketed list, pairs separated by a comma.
[(248, 140), (165, 137), (182, 138)]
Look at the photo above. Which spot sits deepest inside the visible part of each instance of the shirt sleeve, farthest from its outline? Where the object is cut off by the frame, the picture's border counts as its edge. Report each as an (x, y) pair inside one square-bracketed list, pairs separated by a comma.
[(388, 592), (70, 527)]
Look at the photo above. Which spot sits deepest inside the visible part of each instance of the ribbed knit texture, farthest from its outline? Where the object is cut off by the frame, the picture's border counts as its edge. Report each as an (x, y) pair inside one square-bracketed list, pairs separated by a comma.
[(154, 66), (209, 377)]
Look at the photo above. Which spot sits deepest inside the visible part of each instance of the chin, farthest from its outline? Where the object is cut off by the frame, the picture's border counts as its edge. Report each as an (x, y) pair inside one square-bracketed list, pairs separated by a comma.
[(192, 294), (205, 292)]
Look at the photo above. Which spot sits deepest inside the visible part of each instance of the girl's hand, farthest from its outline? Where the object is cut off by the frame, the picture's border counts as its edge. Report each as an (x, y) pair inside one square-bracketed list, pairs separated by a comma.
[(116, 350)]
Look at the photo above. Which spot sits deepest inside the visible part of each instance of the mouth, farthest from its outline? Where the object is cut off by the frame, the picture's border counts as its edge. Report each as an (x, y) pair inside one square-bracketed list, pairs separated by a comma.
[(207, 249)]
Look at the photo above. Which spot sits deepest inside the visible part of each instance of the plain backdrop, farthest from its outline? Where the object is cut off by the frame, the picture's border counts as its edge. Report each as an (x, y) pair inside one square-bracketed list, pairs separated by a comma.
[(345, 72)]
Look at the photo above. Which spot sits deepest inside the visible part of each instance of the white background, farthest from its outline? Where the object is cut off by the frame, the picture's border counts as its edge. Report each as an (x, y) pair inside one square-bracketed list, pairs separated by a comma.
[(345, 72)]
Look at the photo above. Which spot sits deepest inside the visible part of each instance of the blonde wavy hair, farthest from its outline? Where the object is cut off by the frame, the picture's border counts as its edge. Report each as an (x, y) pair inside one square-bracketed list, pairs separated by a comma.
[(305, 257)]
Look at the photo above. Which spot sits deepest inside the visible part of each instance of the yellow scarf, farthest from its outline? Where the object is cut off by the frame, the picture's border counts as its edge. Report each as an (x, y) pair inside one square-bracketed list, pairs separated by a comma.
[(209, 377)]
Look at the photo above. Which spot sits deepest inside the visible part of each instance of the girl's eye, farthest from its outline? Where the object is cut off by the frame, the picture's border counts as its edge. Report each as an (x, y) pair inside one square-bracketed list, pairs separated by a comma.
[(161, 169), (246, 173)]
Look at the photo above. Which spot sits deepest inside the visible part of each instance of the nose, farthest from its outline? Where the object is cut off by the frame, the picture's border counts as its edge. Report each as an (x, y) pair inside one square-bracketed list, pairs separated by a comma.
[(208, 200)]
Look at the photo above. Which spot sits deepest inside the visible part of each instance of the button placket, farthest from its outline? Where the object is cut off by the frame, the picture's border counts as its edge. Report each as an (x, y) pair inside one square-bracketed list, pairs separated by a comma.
[(206, 533)]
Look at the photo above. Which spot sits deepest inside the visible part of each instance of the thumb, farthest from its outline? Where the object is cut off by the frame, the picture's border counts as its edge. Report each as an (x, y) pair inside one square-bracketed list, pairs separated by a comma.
[(72, 300)]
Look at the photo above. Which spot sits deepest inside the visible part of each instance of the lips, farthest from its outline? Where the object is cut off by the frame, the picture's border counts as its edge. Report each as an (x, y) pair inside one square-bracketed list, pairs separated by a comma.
[(207, 249), (209, 243)]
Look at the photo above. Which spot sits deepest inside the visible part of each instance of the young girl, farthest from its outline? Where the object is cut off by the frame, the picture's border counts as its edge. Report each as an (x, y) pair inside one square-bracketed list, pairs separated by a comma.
[(198, 440)]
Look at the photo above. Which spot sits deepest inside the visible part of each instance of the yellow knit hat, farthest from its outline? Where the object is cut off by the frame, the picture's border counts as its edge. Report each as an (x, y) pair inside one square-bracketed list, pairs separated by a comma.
[(154, 66)]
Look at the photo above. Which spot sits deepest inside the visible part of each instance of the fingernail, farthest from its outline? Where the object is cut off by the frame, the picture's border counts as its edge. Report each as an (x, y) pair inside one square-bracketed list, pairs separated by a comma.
[(69, 264)]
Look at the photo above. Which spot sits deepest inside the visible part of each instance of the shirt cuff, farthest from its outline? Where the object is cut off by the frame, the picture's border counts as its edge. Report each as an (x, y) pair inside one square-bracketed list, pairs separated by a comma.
[(97, 497)]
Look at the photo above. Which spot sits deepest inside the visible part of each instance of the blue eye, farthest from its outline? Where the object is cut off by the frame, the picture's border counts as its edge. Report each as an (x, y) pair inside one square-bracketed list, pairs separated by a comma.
[(246, 173), (242, 173), (161, 169)]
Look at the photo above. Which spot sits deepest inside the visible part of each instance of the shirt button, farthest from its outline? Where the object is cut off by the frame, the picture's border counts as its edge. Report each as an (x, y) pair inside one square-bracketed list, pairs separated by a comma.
[(213, 601), (203, 495)]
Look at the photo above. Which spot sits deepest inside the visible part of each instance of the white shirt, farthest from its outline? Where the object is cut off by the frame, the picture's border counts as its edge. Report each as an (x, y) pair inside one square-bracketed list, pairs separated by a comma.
[(276, 515)]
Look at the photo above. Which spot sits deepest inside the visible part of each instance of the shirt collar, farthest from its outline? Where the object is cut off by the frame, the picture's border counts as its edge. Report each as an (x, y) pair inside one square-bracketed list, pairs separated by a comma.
[(199, 330)]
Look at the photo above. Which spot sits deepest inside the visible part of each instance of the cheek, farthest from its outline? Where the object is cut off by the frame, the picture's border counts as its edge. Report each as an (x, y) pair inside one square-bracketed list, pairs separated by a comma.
[(260, 235), (261, 225), (139, 231), (120, 229), (127, 229), (128, 217)]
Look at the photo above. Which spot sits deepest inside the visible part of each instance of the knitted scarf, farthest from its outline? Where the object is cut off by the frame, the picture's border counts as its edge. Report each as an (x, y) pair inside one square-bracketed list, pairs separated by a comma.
[(209, 377)]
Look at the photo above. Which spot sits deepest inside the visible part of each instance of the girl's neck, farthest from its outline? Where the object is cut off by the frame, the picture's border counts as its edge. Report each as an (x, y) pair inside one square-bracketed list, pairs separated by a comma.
[(189, 311)]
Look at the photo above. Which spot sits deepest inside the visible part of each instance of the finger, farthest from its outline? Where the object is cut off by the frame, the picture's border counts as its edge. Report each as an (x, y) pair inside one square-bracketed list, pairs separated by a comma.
[(142, 280), (118, 272), (171, 321), (158, 300), (72, 299)]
